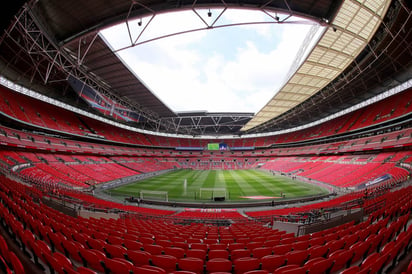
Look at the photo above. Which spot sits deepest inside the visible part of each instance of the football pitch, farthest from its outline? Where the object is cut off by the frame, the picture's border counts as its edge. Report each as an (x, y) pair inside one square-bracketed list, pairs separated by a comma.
[(207, 185)]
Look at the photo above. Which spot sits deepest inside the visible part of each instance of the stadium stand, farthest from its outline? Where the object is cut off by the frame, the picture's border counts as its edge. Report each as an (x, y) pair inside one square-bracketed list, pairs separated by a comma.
[(386, 237), (52, 160)]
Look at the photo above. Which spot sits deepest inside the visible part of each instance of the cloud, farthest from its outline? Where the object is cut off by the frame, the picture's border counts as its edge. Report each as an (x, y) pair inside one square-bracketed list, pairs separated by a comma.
[(239, 74)]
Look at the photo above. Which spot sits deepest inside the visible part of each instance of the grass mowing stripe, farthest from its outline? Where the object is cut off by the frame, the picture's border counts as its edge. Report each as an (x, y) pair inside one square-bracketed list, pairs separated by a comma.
[(263, 183), (244, 188)]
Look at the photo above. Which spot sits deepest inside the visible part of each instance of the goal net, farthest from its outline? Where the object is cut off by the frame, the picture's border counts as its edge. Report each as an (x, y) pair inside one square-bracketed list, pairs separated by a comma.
[(212, 193), (154, 195)]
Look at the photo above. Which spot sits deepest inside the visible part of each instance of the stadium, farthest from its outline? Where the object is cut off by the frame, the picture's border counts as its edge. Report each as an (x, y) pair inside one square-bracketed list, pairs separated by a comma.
[(99, 175)]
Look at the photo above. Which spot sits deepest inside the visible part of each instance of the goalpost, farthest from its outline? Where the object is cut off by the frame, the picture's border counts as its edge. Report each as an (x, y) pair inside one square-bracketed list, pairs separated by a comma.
[(154, 195), (212, 193)]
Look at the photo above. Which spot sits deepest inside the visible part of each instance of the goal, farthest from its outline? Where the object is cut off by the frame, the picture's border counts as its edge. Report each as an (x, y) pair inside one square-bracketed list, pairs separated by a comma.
[(154, 195), (213, 193)]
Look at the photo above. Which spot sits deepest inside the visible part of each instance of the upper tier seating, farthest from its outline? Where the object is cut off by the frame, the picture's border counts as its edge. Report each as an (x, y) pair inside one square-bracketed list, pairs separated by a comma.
[(32, 111)]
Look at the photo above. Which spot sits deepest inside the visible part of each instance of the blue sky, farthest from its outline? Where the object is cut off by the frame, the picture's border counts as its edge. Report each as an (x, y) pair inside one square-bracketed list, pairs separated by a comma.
[(230, 69)]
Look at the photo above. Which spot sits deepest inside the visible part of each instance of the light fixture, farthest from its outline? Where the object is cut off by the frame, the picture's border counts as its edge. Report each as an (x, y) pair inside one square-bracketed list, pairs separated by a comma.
[(209, 14), (140, 22)]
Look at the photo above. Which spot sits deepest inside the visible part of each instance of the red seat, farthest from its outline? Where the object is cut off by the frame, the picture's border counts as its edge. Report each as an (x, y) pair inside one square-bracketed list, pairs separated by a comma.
[(218, 265), (132, 245), (167, 262), (16, 264), (28, 240), (56, 241), (310, 262), (245, 264), (100, 236), (191, 240), (272, 262), (196, 253), (271, 243), (234, 246), (164, 243), (239, 253), (199, 246), (93, 258), (62, 260), (259, 252), (374, 262), (282, 249), (72, 249), (301, 245), (297, 257), (350, 240), (191, 264), (360, 250), (40, 248), (183, 245), (117, 265), (341, 258), (4, 267), (319, 265), (218, 253), (392, 251), (44, 231), (97, 244), (146, 240), (115, 240), (218, 246), (317, 241), (335, 245), (56, 265), (81, 238), (210, 241), (374, 240), (153, 249), (317, 251), (175, 251), (138, 257), (253, 245), (115, 251), (288, 238)]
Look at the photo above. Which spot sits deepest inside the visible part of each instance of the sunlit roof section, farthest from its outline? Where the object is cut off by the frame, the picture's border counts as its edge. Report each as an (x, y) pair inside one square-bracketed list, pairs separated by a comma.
[(354, 25)]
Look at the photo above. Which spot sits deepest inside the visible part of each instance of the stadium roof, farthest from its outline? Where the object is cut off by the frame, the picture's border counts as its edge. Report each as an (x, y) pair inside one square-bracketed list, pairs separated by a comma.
[(362, 53), (351, 31)]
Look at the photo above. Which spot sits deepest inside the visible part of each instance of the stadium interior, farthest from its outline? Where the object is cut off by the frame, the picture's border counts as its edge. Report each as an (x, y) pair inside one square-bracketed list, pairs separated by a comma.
[(76, 123)]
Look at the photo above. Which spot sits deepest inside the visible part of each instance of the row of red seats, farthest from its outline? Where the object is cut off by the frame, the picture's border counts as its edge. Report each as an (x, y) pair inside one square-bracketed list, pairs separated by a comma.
[(12, 138), (9, 262), (337, 171), (359, 246), (36, 112)]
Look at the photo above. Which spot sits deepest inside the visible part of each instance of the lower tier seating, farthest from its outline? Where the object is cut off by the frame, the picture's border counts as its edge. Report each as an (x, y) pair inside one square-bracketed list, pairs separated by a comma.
[(55, 242)]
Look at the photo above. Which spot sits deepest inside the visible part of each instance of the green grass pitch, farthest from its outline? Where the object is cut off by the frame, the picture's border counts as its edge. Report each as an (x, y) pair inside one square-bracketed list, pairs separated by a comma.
[(239, 184)]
